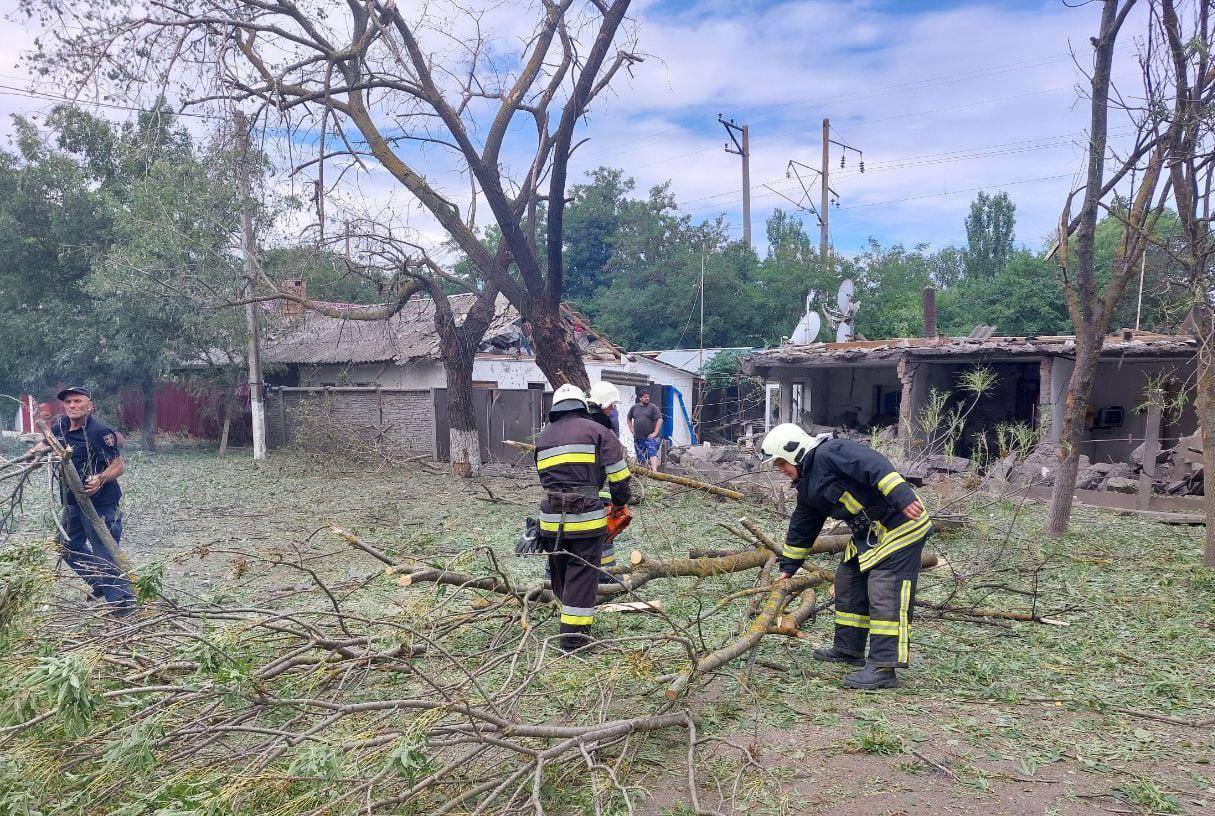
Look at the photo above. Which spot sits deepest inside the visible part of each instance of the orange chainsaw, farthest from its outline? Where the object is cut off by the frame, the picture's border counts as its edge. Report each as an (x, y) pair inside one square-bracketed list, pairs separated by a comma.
[(618, 517)]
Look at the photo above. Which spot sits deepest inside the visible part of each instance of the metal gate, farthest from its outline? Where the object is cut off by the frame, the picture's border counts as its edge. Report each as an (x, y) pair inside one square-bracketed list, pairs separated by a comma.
[(501, 414)]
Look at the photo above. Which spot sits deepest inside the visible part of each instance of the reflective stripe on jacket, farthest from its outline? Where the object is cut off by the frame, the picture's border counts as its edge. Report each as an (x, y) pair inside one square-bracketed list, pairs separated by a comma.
[(845, 480), (575, 456)]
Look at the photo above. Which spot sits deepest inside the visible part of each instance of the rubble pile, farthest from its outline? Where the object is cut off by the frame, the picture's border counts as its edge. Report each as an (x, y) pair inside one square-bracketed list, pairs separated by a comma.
[(1178, 470)]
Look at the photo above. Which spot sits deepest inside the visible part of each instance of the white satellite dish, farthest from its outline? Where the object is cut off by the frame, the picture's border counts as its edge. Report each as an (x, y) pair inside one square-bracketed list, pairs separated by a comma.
[(807, 329), (843, 333), (843, 298)]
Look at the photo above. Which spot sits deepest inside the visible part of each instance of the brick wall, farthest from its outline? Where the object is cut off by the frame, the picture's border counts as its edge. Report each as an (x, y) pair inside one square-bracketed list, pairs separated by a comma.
[(396, 418)]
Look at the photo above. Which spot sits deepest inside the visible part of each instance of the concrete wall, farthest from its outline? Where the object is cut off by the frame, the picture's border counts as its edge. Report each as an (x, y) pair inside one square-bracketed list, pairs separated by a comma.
[(1123, 384), (400, 419)]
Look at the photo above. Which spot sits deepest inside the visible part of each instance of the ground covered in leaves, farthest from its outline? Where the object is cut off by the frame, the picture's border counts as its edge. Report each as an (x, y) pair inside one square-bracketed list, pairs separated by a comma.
[(1098, 716)]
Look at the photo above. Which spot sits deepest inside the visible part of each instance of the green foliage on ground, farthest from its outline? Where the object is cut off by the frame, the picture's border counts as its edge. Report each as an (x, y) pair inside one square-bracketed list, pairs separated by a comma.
[(992, 702)]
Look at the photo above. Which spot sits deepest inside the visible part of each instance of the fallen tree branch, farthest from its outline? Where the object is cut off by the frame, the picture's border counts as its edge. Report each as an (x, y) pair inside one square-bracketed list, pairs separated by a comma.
[(638, 470)]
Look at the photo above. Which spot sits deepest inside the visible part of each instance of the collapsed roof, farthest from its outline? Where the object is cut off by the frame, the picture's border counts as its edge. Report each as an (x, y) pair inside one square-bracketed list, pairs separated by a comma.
[(409, 335), (888, 352)]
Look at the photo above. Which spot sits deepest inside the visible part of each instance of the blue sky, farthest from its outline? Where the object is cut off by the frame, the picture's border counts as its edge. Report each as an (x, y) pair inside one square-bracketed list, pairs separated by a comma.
[(943, 98)]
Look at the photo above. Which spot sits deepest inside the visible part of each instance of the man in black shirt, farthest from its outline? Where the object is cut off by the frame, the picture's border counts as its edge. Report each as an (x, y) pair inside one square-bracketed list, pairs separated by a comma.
[(98, 458), (645, 423)]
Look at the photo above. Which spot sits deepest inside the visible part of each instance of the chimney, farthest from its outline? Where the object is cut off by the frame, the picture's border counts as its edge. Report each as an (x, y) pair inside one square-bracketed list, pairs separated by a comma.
[(930, 311), (298, 288)]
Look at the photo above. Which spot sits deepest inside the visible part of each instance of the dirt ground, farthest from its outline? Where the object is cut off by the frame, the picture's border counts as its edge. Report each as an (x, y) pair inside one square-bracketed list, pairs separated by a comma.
[(993, 717)]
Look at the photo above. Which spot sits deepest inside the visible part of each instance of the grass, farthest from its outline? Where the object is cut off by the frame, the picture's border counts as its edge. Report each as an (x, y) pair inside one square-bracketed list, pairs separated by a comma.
[(992, 700)]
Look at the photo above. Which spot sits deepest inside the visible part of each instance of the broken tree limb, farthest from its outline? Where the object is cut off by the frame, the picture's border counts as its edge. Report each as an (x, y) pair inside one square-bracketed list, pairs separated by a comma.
[(631, 606), (1023, 617), (760, 535), (638, 470), (823, 545), (763, 624), (85, 503)]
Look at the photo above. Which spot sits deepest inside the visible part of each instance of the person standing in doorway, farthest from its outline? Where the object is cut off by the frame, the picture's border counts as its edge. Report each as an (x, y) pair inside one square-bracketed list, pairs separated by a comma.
[(645, 423)]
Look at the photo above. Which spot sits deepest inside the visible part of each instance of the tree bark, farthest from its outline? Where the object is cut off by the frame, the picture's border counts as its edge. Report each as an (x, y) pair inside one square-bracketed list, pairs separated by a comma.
[(1071, 435), (149, 417), (229, 400), (458, 343), (1205, 403), (557, 353), (461, 419)]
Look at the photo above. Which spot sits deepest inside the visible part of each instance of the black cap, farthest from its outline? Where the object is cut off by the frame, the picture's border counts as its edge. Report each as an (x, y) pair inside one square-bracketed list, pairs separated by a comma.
[(74, 389)]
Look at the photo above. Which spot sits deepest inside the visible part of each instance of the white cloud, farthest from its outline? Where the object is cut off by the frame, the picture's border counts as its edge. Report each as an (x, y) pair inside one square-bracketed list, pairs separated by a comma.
[(939, 100)]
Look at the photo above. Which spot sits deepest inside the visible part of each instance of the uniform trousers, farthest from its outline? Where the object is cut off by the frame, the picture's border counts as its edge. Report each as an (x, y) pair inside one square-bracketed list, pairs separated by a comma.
[(877, 605), (574, 572)]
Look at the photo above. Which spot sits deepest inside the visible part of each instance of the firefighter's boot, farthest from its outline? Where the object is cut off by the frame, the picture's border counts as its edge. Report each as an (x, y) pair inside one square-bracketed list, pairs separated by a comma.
[(828, 654), (579, 641), (871, 678)]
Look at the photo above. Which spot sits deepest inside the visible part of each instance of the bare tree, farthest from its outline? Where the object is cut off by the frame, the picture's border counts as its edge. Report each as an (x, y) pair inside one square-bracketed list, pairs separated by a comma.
[(1091, 303), (1191, 158), (420, 92)]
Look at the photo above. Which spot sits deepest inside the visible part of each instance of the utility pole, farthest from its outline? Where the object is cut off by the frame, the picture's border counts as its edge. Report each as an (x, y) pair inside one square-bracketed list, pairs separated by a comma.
[(742, 147), (700, 402), (824, 205), (249, 248)]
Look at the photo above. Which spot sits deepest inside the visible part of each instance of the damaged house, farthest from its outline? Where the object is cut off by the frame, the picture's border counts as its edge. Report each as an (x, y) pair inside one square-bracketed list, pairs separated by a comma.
[(385, 378), (907, 384)]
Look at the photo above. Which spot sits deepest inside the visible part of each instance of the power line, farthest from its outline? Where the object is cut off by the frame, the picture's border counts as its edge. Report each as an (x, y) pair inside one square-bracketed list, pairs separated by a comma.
[(853, 96), (924, 160)]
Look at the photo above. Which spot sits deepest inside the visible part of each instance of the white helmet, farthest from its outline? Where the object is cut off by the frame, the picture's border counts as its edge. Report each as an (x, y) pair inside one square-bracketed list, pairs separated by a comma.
[(568, 397), (789, 442), (604, 394)]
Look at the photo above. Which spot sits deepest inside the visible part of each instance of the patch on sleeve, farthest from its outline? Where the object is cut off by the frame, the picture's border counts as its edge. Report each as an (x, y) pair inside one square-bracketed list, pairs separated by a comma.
[(109, 439)]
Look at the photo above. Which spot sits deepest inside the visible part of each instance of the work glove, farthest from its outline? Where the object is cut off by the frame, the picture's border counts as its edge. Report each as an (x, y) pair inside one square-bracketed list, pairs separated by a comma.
[(529, 542)]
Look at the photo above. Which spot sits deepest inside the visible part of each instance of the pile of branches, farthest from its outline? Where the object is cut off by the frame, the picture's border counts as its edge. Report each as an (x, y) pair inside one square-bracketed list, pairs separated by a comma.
[(419, 686), (412, 685)]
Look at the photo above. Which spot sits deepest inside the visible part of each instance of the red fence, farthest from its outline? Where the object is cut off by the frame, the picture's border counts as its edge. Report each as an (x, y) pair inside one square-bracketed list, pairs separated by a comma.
[(197, 412)]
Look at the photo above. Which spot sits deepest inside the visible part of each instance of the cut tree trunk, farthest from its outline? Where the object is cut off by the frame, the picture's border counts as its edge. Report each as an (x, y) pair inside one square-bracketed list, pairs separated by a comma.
[(1071, 436), (149, 417)]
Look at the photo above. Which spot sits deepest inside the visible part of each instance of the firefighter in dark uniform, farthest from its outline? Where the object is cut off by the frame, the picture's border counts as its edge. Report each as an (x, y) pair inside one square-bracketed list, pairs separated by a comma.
[(98, 458), (601, 403), (574, 456), (876, 579)]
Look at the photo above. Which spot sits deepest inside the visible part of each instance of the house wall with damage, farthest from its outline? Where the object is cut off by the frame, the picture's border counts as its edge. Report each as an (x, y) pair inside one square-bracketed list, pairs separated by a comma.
[(1030, 385), (1122, 385), (852, 397)]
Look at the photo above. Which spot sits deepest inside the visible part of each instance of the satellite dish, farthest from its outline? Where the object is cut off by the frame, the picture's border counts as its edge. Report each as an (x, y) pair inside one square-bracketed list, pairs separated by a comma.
[(844, 332), (807, 329), (843, 298)]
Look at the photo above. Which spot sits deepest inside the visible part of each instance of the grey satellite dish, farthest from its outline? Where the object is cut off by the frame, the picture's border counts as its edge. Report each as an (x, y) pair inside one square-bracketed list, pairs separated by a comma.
[(843, 298), (843, 332)]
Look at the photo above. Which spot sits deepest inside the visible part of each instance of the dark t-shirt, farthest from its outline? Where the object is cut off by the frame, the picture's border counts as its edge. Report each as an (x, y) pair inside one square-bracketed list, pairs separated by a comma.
[(94, 447), (645, 419)]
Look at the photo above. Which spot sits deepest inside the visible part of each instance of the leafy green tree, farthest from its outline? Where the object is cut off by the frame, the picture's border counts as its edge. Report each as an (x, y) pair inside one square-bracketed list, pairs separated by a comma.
[(1024, 298), (989, 234), (142, 224)]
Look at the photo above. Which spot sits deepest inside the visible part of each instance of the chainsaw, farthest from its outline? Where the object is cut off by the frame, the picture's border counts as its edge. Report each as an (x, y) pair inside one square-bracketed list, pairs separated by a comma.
[(529, 543)]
